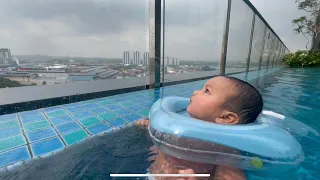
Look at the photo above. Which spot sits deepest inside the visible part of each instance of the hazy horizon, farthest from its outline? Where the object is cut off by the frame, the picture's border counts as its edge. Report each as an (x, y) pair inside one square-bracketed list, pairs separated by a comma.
[(99, 28)]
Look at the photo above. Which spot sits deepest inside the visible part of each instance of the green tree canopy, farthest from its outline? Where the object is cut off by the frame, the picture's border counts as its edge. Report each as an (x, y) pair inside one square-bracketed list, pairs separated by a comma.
[(309, 25)]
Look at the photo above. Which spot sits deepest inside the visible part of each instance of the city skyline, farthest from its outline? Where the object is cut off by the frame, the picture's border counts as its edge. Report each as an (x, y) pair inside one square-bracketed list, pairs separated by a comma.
[(105, 29)]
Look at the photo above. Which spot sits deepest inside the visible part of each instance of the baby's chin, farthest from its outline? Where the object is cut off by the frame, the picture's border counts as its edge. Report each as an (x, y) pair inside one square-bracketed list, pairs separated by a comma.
[(189, 111)]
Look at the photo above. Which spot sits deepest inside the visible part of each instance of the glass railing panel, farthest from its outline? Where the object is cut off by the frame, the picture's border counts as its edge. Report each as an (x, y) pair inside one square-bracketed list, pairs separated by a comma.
[(193, 39), (275, 55), (257, 43), (278, 54), (271, 49), (74, 42), (266, 51), (239, 36)]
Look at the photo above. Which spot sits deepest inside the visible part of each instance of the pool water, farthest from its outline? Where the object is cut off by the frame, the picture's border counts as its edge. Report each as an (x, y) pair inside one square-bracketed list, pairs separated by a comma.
[(122, 151), (295, 93), (291, 92)]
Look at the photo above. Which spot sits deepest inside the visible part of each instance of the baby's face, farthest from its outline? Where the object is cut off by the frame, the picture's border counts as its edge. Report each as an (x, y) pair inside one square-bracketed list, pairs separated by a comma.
[(205, 104)]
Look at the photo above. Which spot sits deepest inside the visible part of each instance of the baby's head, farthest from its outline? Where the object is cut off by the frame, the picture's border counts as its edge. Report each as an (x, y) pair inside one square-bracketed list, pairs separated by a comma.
[(226, 100)]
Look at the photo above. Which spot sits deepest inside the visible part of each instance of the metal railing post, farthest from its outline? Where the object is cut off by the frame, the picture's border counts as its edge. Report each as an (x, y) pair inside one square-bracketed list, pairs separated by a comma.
[(154, 43), (250, 42), (163, 36), (225, 38)]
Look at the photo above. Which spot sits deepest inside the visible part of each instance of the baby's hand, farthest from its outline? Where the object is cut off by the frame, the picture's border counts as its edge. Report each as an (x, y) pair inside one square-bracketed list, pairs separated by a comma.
[(142, 122), (187, 171)]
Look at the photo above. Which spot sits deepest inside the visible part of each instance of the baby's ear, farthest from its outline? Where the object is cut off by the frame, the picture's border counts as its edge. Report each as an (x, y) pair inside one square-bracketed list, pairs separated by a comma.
[(227, 117)]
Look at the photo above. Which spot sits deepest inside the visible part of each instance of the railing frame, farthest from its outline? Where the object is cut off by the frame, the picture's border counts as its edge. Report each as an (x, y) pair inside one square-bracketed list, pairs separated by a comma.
[(155, 14), (225, 40)]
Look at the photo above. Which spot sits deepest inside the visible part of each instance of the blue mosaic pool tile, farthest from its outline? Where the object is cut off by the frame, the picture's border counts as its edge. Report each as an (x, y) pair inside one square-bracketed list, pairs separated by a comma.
[(71, 105), (99, 100), (36, 125), (32, 118), (88, 102), (69, 127), (146, 101), (4, 133), (132, 117), (46, 146), (9, 124), (91, 105), (13, 156), (108, 116), (81, 115), (116, 122), (147, 105), (135, 100), (41, 134), (52, 109), (74, 137), (76, 109), (11, 142), (123, 98), (113, 106), (90, 121), (57, 113), (105, 102), (98, 128), (61, 119), (144, 113), (126, 103), (140, 96), (8, 117), (99, 110), (135, 108), (121, 111)]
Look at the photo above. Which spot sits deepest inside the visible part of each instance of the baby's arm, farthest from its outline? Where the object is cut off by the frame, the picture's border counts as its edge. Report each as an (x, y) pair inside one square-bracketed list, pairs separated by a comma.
[(142, 122), (229, 173)]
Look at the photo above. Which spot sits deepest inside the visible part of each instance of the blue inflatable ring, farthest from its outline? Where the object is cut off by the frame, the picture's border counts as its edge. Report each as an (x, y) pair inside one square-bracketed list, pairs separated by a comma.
[(261, 146)]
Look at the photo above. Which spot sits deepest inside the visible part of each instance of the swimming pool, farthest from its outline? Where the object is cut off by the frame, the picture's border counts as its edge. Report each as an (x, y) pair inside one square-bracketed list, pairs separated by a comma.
[(292, 92)]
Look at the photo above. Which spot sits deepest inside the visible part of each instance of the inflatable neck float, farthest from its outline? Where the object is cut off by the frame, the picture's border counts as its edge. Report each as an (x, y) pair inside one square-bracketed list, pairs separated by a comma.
[(263, 146)]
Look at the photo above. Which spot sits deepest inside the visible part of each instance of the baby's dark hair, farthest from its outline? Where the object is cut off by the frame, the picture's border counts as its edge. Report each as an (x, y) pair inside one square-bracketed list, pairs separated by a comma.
[(247, 103)]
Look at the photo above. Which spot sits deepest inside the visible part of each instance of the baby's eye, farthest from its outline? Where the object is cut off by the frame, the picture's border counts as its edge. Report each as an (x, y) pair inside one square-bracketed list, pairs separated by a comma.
[(207, 91)]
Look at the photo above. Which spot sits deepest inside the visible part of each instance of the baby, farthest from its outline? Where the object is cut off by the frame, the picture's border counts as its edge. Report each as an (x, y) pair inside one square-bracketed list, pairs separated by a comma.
[(222, 100)]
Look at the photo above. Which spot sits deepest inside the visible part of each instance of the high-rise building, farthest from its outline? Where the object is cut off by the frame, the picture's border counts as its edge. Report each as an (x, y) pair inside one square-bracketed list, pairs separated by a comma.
[(136, 57), (175, 61), (137, 60), (146, 58), (171, 61), (5, 56), (126, 57)]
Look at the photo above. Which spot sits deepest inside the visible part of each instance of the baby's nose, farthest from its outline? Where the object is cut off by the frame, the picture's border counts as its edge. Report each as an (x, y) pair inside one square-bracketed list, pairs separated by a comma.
[(195, 92)]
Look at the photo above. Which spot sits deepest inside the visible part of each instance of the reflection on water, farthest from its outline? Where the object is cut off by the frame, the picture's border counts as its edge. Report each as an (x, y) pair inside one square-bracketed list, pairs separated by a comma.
[(124, 151)]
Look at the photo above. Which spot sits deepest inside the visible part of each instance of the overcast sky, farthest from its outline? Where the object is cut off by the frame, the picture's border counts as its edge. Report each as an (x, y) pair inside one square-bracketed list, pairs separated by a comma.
[(106, 28)]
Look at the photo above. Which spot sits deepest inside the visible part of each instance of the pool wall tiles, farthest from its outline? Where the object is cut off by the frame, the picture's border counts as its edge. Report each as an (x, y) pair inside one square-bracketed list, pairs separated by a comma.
[(31, 134)]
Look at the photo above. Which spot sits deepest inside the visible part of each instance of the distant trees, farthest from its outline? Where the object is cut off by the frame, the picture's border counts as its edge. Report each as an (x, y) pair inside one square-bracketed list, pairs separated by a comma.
[(9, 83), (206, 68)]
